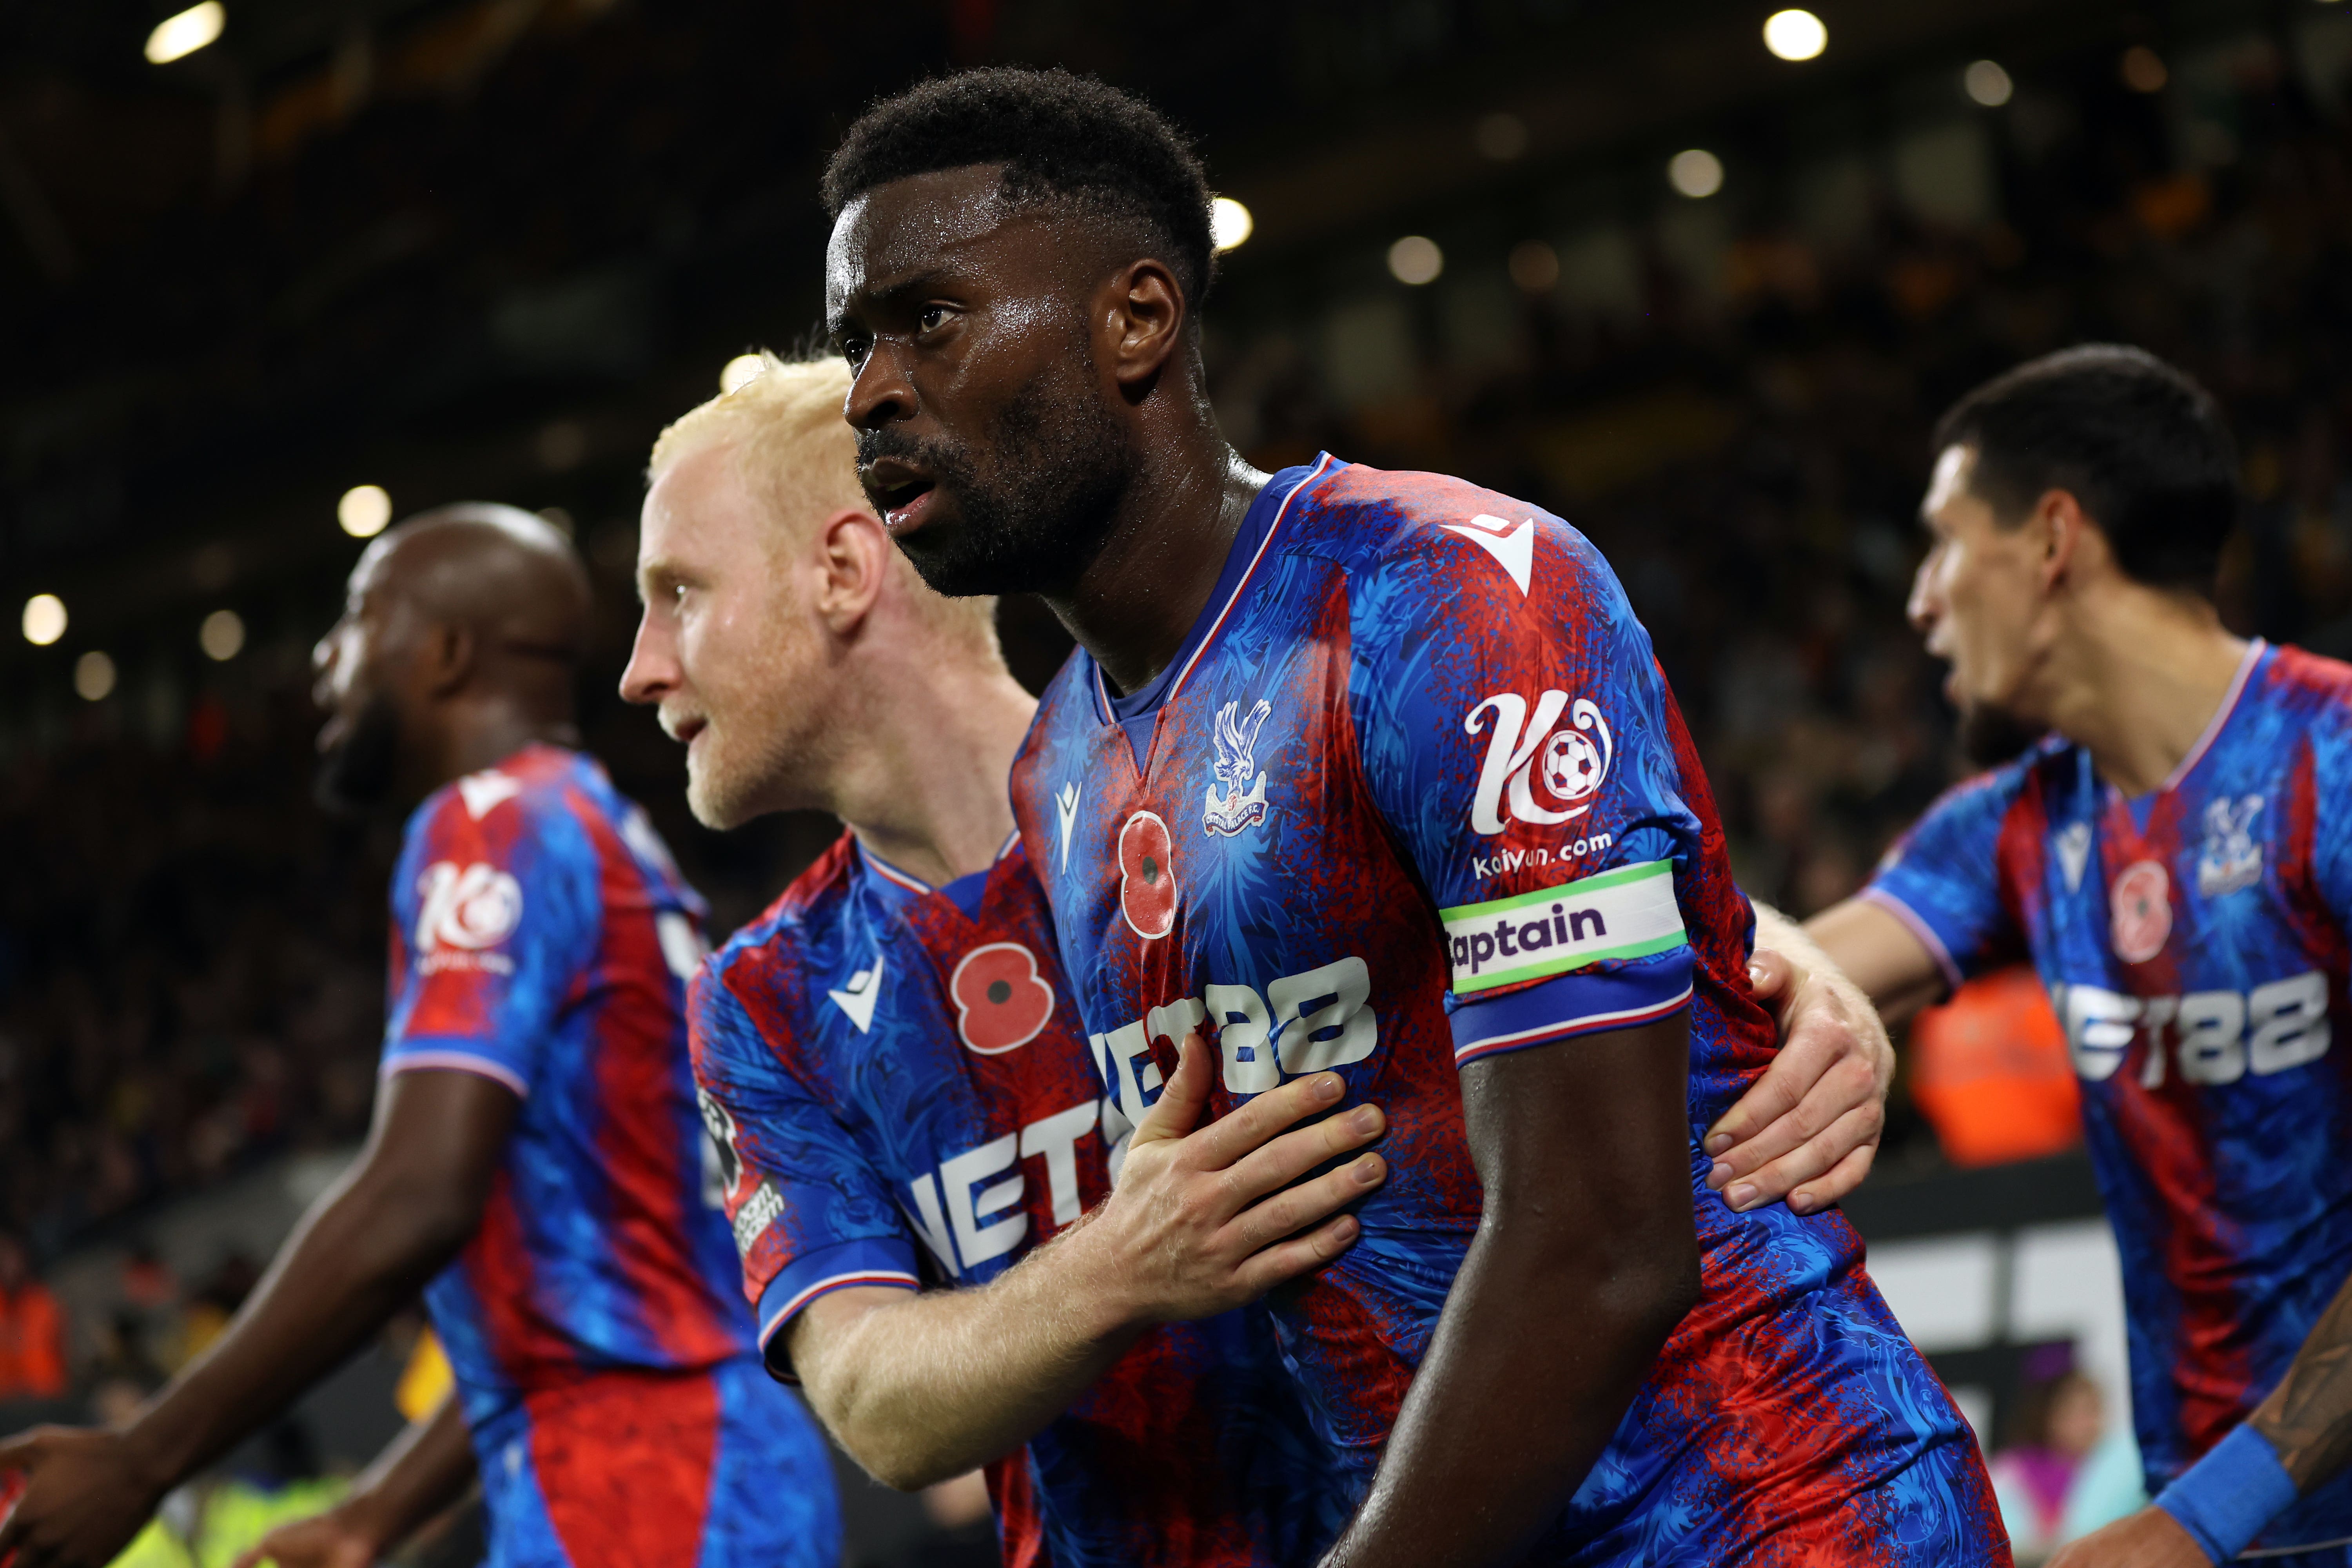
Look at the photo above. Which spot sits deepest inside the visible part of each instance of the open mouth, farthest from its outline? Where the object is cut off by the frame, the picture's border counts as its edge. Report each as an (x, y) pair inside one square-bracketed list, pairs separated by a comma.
[(901, 492)]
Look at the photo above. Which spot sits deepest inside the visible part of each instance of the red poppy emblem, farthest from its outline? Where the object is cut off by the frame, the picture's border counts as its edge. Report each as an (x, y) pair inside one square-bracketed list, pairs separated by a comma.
[(2140, 911), (1000, 1000), (1147, 875)]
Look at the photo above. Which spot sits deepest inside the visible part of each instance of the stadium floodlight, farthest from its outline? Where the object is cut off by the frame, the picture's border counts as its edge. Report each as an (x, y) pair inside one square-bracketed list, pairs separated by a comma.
[(364, 511), (1795, 35), (1534, 265), (1988, 84), (1695, 172), (93, 676), (222, 635), (1229, 223), (182, 34), (1415, 260), (2142, 69), (741, 372), (44, 619)]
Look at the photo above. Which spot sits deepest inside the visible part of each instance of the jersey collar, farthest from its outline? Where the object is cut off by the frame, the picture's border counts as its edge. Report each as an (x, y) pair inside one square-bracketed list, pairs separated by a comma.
[(894, 888), (2254, 651), (1138, 711)]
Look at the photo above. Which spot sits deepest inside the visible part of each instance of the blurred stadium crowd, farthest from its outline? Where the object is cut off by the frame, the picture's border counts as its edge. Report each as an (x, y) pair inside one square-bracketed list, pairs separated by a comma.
[(1731, 397)]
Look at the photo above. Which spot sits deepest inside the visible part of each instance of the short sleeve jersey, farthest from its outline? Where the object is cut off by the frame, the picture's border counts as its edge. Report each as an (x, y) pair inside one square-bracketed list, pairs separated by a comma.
[(1414, 794), (2193, 944), (904, 1100), (542, 938)]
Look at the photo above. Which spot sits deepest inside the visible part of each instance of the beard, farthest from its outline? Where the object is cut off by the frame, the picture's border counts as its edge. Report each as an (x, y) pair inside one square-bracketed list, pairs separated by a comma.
[(1034, 502), (357, 775), (1990, 734)]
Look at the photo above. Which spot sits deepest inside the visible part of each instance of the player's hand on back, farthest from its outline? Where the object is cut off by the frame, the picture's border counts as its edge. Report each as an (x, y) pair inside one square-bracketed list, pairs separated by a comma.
[(1203, 1219), (1808, 1128), (335, 1539), (84, 1498)]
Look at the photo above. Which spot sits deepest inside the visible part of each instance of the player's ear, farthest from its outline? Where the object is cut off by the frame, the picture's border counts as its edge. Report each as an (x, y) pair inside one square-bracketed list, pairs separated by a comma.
[(446, 656), (2063, 536), (854, 553), (1142, 310)]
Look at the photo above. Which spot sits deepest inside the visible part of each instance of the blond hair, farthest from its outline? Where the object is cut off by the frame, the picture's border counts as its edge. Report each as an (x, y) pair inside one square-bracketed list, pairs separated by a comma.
[(786, 428)]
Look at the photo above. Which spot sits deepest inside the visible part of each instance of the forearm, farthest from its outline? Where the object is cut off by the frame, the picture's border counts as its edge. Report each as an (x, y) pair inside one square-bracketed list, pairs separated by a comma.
[(1874, 950), (360, 1254), (2309, 1417), (427, 1467), (1493, 1441), (935, 1383)]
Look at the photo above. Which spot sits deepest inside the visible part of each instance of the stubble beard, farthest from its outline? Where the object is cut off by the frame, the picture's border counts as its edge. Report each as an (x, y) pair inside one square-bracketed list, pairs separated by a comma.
[(1034, 513), (357, 776)]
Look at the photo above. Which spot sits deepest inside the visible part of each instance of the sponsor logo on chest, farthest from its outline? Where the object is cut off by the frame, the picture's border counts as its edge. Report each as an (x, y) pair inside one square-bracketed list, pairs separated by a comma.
[(2207, 1036)]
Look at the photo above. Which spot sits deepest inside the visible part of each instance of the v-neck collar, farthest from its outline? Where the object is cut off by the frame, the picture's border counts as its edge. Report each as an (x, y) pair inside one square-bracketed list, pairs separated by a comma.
[(1138, 713), (2141, 808), (894, 888)]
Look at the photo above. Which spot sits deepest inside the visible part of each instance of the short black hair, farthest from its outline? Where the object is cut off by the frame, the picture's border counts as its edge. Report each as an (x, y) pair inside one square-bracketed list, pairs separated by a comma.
[(1058, 135), (2140, 444)]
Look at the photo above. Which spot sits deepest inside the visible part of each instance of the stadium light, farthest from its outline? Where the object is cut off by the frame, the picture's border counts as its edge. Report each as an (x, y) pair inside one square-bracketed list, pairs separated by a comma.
[(1229, 223), (221, 635), (1415, 260), (364, 511), (184, 35), (1988, 84), (1795, 35), (93, 676), (739, 372), (44, 619), (2143, 70), (1534, 265), (1696, 173)]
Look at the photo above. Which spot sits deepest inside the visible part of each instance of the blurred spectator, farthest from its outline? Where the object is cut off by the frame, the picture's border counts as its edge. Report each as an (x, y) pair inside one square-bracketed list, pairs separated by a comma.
[(215, 1303), (1991, 1072), (2059, 1419), (32, 1329)]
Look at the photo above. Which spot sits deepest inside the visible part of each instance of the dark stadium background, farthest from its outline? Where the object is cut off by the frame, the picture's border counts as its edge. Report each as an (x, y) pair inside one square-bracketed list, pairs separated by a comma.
[(485, 248)]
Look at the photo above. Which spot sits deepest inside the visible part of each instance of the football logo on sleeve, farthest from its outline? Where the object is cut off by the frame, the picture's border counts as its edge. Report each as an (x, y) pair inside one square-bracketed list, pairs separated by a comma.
[(1545, 772), (472, 907), (1001, 1003), (1147, 875)]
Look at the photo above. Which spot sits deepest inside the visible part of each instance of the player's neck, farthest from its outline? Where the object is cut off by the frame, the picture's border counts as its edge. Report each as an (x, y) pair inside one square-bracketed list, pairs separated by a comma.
[(2137, 680), (921, 776), (1134, 604), (479, 734)]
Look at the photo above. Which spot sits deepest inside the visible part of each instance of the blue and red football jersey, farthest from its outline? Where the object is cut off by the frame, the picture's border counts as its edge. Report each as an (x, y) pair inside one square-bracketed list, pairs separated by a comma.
[(2193, 943), (905, 1099), (542, 938), (1414, 794)]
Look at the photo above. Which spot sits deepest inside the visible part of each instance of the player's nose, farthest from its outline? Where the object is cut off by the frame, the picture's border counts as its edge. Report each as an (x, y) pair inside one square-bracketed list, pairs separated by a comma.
[(652, 671), (880, 393)]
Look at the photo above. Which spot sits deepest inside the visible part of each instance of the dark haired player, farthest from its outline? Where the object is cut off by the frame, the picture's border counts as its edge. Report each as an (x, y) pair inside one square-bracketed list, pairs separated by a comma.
[(537, 1153), (1375, 775), (2175, 859)]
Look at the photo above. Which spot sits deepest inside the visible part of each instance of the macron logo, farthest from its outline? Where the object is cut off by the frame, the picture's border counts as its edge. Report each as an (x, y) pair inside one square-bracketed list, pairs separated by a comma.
[(856, 998), (1066, 806), (1514, 547), (484, 790)]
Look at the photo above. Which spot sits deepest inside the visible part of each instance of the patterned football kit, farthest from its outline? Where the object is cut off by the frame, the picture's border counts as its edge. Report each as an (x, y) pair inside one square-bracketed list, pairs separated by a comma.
[(2193, 944), (542, 938), (1414, 794), (897, 1077)]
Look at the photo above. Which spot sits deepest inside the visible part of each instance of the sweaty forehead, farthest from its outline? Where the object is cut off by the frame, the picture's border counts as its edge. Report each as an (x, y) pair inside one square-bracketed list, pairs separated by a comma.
[(912, 226)]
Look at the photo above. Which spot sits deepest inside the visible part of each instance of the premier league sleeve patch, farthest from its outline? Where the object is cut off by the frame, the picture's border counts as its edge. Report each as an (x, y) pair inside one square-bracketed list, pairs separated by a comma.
[(1626, 913)]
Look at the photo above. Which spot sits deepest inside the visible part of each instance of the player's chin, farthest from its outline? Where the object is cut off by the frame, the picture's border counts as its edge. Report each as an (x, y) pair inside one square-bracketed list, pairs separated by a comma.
[(711, 797)]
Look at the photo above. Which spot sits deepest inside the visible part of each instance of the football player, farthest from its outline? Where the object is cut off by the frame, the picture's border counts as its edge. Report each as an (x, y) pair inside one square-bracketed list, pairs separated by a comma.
[(2170, 858), (1375, 775), (537, 1154)]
